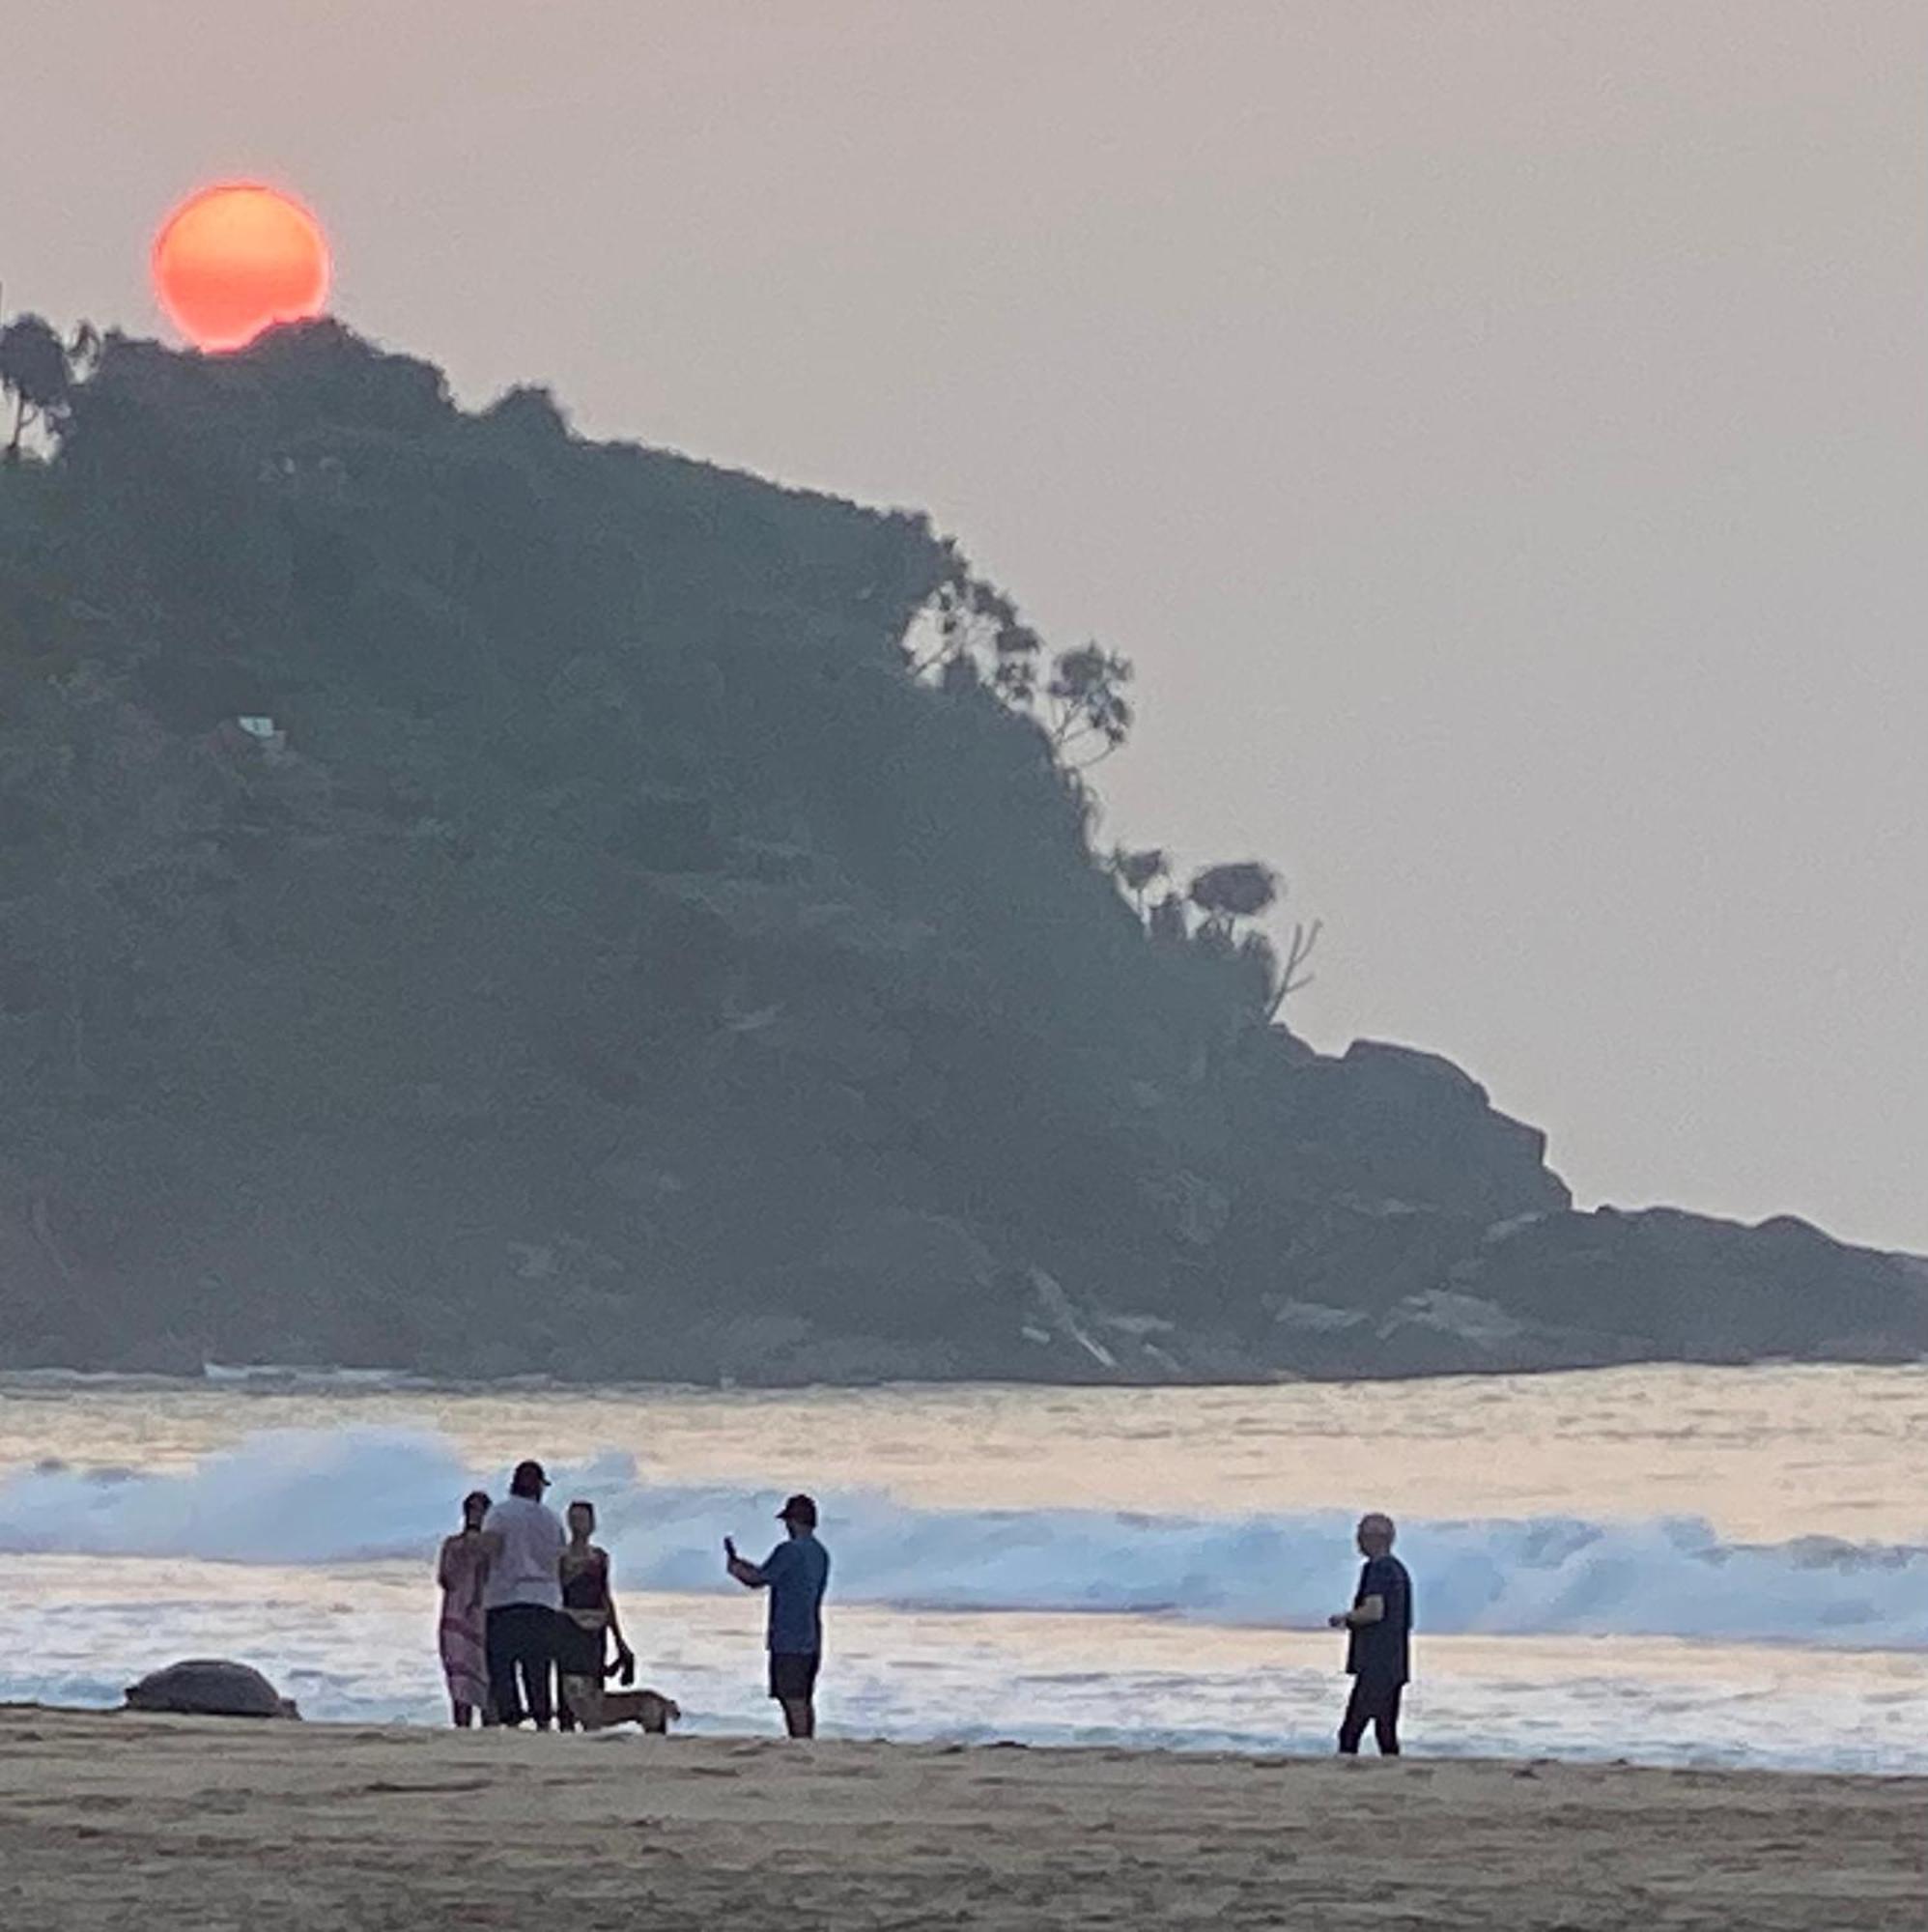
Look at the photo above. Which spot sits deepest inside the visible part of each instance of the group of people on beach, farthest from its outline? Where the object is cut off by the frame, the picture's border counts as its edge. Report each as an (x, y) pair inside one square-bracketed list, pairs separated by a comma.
[(529, 1631)]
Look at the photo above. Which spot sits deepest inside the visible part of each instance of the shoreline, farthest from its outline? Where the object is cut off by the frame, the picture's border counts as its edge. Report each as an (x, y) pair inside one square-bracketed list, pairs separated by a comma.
[(241, 1377), (28, 1712), (109, 1819)]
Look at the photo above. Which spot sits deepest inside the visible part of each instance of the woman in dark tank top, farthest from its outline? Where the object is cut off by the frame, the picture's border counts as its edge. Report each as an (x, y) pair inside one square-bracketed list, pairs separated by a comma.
[(586, 1624)]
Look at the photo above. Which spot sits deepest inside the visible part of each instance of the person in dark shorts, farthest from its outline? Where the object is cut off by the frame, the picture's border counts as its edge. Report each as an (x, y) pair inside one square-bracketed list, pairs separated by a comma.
[(587, 1627), (795, 1573), (1378, 1647)]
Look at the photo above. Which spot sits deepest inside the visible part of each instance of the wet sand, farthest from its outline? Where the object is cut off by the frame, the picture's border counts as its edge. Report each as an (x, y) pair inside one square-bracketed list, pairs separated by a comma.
[(130, 1822)]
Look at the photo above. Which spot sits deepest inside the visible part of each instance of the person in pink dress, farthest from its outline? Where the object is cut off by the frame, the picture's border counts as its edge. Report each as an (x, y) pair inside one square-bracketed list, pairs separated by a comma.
[(463, 1571)]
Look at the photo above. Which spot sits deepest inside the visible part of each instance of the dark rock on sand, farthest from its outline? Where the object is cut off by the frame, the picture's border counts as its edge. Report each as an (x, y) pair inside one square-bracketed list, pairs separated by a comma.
[(207, 1686)]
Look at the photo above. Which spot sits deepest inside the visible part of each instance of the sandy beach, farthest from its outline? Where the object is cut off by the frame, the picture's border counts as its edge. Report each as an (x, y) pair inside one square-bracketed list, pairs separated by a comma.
[(119, 1821)]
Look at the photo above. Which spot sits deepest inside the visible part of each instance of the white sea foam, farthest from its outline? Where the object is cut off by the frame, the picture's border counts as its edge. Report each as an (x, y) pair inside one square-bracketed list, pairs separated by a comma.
[(363, 1494), (284, 1374)]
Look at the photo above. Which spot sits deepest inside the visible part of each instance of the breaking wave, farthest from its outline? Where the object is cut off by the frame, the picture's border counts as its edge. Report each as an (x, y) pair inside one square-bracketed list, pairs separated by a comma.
[(343, 1496)]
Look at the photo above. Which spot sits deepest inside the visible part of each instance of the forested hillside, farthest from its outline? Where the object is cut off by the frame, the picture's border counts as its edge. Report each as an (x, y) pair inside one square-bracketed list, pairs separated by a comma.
[(479, 901)]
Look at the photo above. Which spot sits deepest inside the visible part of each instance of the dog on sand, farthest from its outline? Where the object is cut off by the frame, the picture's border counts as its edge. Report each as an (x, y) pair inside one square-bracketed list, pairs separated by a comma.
[(598, 1709)]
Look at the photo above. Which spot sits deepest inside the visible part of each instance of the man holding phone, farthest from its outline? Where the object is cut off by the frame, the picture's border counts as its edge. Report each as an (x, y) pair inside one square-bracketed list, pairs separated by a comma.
[(795, 1573)]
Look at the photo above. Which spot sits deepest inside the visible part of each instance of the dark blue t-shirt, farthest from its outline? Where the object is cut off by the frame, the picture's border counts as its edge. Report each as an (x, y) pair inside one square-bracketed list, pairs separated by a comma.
[(796, 1572), (1381, 1652)]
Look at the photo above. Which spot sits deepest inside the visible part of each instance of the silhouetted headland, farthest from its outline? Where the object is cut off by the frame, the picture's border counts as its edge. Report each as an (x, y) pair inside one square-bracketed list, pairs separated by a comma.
[(484, 902)]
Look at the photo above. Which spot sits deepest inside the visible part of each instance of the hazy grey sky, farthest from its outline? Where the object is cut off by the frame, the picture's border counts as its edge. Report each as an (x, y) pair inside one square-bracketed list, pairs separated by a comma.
[(1498, 431)]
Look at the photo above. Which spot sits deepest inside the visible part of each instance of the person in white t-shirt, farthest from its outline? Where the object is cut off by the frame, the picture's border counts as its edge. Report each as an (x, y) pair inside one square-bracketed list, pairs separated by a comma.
[(523, 1599)]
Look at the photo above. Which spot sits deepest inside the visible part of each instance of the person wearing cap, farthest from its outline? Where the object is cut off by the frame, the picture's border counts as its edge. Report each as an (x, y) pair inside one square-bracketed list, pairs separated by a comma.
[(524, 1599), (795, 1573), (1379, 1631)]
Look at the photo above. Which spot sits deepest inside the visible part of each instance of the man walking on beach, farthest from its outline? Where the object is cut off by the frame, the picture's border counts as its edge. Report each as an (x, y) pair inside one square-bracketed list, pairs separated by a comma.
[(1378, 1648), (523, 1597), (795, 1573)]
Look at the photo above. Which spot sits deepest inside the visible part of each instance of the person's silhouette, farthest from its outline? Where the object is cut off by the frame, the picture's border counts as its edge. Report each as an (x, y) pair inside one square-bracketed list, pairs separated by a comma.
[(795, 1573), (1378, 1646)]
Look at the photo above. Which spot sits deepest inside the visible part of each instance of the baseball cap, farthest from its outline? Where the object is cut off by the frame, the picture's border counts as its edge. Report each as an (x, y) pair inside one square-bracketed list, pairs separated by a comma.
[(528, 1475), (799, 1508)]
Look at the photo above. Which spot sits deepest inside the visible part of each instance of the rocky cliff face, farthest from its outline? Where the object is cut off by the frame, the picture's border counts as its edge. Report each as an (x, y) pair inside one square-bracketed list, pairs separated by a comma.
[(476, 901)]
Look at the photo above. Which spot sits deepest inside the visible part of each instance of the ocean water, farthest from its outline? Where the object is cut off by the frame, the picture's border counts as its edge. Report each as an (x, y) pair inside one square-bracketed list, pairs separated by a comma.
[(1662, 1564)]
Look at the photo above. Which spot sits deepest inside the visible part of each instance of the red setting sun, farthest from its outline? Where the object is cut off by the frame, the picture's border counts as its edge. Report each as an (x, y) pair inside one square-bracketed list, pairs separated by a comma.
[(234, 260)]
